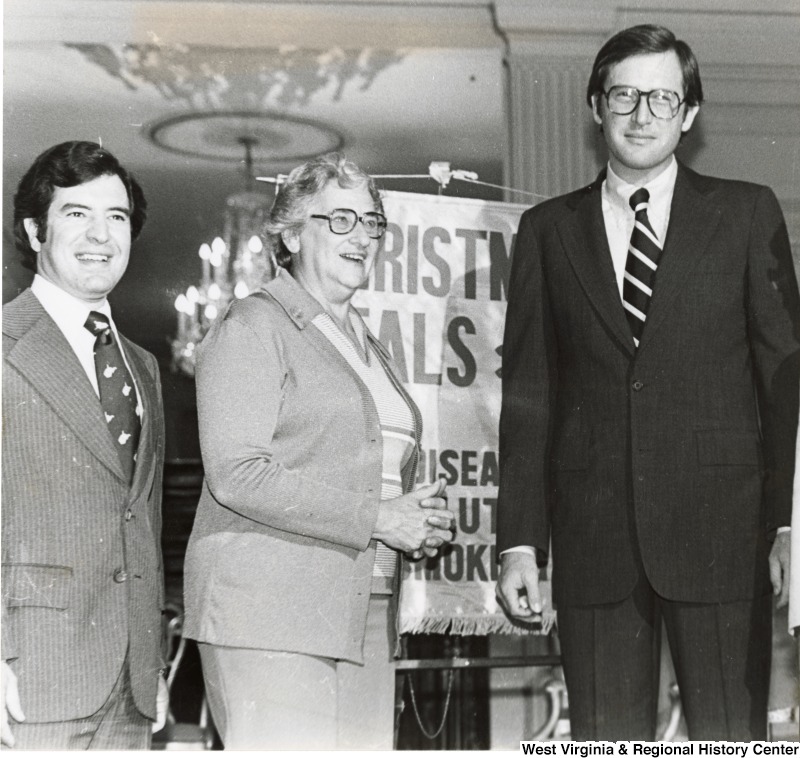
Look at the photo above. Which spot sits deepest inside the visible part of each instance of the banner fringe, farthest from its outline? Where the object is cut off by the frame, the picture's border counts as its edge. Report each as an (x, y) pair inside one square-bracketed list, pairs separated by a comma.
[(476, 625)]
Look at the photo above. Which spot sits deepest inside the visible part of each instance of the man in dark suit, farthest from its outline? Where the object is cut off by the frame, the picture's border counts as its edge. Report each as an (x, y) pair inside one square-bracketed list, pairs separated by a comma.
[(83, 442), (650, 370)]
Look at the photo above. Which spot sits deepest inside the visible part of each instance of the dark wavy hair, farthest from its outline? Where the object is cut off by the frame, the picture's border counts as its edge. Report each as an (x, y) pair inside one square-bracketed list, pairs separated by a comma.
[(67, 165), (639, 40), (289, 212)]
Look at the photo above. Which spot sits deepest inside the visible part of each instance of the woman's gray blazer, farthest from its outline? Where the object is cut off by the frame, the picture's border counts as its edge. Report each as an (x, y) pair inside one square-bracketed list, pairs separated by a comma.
[(281, 553)]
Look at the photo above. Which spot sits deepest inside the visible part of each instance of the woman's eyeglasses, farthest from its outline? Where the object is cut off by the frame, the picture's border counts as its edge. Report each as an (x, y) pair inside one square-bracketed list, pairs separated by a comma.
[(344, 220)]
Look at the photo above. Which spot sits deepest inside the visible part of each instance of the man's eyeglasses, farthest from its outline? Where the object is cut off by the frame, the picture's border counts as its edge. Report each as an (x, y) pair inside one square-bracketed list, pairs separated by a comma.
[(344, 220), (663, 103)]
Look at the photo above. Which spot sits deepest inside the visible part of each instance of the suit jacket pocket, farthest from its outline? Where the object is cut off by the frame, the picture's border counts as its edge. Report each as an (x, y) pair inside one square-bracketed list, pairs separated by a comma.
[(728, 448), (36, 585)]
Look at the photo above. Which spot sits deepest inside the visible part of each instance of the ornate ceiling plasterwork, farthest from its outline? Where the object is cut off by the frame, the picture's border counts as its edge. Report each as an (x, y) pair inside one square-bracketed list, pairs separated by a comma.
[(214, 78)]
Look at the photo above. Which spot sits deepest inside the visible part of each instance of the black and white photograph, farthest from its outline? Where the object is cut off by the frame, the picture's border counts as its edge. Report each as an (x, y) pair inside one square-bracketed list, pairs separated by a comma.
[(416, 375)]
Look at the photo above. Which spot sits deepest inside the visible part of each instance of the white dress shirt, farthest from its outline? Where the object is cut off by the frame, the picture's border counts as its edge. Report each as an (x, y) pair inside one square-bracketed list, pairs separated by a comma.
[(70, 315), (619, 216)]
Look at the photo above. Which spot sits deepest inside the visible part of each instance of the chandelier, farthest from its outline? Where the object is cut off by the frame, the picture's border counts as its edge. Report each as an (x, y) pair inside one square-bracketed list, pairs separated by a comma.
[(233, 265)]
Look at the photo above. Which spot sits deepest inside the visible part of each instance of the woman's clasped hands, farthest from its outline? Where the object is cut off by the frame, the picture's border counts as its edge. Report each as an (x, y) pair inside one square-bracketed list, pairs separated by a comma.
[(417, 523)]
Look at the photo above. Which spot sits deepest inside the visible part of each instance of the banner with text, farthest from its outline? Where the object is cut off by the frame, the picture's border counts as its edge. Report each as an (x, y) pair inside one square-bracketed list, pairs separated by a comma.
[(437, 299)]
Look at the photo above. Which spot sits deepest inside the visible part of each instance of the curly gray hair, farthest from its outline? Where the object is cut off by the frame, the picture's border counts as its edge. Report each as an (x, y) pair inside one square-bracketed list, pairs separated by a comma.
[(289, 212)]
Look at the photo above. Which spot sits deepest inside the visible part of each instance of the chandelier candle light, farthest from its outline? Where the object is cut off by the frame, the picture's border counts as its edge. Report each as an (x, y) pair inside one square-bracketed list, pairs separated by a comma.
[(233, 266)]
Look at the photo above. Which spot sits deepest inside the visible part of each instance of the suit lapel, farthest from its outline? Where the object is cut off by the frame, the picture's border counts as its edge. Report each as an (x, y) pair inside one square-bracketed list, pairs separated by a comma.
[(323, 344), (692, 223), (145, 453), (583, 235), (302, 308), (43, 356)]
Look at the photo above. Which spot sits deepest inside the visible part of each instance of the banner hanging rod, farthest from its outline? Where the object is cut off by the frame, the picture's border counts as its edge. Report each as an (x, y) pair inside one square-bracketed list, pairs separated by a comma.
[(439, 171)]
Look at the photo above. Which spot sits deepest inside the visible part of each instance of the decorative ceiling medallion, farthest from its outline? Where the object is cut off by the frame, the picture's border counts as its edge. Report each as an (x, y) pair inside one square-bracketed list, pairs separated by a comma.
[(219, 135)]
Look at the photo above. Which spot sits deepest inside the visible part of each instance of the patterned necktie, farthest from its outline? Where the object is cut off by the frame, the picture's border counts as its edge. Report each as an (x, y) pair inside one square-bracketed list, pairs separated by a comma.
[(640, 267), (117, 393)]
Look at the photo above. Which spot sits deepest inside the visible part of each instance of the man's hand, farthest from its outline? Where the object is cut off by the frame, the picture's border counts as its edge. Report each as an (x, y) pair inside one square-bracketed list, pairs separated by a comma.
[(9, 692), (779, 560), (162, 705), (518, 585)]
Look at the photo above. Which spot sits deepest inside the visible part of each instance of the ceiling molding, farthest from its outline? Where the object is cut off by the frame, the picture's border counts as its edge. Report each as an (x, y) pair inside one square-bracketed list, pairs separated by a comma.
[(457, 24), (720, 31), (570, 15)]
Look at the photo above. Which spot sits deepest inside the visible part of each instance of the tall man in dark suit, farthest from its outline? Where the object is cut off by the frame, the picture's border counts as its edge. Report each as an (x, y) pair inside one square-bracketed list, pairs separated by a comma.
[(83, 442), (650, 369)]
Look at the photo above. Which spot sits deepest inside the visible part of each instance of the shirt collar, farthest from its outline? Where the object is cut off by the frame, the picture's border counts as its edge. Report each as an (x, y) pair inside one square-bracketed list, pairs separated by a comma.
[(62, 307), (660, 188)]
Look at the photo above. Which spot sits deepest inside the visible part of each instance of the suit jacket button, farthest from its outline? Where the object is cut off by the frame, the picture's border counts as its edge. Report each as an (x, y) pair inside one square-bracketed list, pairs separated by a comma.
[(128, 514), (637, 385), (120, 576)]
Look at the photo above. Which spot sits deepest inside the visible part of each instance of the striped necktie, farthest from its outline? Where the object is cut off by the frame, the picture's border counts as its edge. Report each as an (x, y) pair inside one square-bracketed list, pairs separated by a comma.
[(117, 393), (641, 265)]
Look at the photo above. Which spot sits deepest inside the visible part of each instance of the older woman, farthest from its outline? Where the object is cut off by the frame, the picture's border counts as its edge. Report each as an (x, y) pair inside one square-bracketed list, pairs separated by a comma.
[(310, 446)]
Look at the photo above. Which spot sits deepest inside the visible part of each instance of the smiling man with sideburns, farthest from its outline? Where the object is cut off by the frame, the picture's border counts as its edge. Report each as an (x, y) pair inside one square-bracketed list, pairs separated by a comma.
[(83, 444)]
